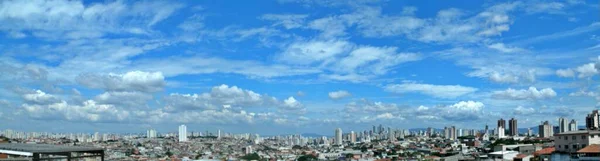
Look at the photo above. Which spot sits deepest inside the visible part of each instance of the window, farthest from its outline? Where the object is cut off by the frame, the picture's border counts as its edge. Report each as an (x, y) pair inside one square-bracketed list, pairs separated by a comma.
[(574, 138), (574, 146), (566, 147), (566, 138), (558, 137), (583, 137), (582, 145), (559, 146)]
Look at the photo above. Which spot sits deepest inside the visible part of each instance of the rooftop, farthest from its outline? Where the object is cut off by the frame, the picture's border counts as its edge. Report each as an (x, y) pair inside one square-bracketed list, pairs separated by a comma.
[(579, 132), (46, 148), (544, 151), (592, 148)]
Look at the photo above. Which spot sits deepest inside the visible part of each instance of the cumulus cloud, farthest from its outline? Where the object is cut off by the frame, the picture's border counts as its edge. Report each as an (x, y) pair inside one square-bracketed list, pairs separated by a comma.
[(439, 91), (335, 95), (74, 19), (366, 106), (230, 96), (523, 94), (40, 97), (460, 111), (130, 99), (90, 111), (583, 71), (130, 81), (520, 110)]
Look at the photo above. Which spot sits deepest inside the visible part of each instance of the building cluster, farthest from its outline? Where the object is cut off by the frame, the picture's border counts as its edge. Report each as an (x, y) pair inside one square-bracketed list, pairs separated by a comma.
[(505, 141)]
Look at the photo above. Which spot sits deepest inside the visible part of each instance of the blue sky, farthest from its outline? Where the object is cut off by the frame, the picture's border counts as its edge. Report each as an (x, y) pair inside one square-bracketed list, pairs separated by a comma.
[(280, 67)]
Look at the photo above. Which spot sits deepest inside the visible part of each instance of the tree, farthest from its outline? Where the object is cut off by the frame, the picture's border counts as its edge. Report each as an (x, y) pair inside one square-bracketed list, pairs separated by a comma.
[(169, 153), (307, 158), (252, 156)]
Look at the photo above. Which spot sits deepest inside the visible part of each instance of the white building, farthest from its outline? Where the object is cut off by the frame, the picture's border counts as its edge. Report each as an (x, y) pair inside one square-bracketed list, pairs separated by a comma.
[(563, 125), (338, 136), (183, 133), (573, 125), (151, 133), (572, 141), (352, 137), (545, 130), (500, 134)]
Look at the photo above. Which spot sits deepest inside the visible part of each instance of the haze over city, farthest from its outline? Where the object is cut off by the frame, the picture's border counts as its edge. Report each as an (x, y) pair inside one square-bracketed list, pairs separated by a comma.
[(293, 67)]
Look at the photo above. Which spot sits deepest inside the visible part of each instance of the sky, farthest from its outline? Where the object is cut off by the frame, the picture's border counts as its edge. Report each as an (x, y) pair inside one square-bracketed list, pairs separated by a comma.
[(294, 66)]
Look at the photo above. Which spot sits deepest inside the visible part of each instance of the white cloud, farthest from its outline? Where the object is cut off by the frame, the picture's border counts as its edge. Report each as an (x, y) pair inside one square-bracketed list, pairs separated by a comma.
[(57, 18), (531, 93), (130, 81), (460, 111), (40, 97), (503, 78), (565, 73), (520, 110), (366, 106), (89, 111), (439, 91), (126, 98), (583, 71), (289, 21), (503, 48), (335, 95)]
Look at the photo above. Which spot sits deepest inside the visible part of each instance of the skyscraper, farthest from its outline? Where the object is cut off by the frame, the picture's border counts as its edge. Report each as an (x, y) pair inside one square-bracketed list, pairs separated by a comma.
[(573, 125), (338, 136), (500, 130), (182, 133), (514, 130), (219, 134), (352, 137), (563, 125), (591, 121), (501, 123), (545, 130), (151, 133)]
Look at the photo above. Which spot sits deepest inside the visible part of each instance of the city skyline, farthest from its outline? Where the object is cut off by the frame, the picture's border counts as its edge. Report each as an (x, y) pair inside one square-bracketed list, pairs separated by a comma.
[(296, 66)]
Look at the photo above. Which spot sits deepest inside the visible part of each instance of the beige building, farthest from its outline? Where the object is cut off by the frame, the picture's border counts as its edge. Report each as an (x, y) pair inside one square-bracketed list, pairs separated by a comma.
[(572, 141)]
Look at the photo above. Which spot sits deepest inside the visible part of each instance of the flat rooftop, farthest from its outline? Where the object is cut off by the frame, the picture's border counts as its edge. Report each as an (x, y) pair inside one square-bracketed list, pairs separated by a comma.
[(579, 132), (47, 148)]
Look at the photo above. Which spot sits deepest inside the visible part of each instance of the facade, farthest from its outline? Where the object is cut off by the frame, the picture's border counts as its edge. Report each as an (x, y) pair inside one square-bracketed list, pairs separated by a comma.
[(514, 130), (545, 130), (352, 137), (151, 133), (338, 136), (182, 133), (591, 121), (573, 125), (563, 125), (572, 141), (502, 123), (500, 133)]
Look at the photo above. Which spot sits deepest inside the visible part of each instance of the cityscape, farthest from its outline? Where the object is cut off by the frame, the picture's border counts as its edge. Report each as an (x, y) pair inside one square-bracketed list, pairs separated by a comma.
[(299, 80)]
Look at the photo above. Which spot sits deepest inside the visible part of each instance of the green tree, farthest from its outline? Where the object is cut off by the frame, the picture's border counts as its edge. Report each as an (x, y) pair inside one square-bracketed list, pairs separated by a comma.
[(307, 158), (252, 156)]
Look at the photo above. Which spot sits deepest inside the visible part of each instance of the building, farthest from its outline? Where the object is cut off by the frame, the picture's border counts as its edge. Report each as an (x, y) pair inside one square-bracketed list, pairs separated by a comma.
[(563, 125), (545, 130), (590, 152), (37, 152), (514, 130), (248, 150), (352, 137), (500, 133), (183, 133), (338, 136), (573, 141), (219, 134), (151, 133), (502, 123), (591, 120), (573, 125)]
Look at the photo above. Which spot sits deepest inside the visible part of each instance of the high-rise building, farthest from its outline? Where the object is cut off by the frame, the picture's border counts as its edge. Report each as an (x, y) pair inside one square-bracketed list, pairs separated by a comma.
[(563, 125), (151, 133), (338, 136), (182, 133), (591, 121), (500, 130), (546, 130), (573, 125), (352, 137), (502, 123), (529, 132), (514, 130), (374, 129), (430, 131), (219, 134)]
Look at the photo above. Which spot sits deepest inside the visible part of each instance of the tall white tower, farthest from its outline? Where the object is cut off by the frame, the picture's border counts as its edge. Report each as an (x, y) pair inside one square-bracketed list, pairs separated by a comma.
[(338, 136), (182, 133)]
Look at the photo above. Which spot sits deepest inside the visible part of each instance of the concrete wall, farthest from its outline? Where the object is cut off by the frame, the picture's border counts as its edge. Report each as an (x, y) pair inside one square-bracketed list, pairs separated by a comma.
[(561, 141)]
